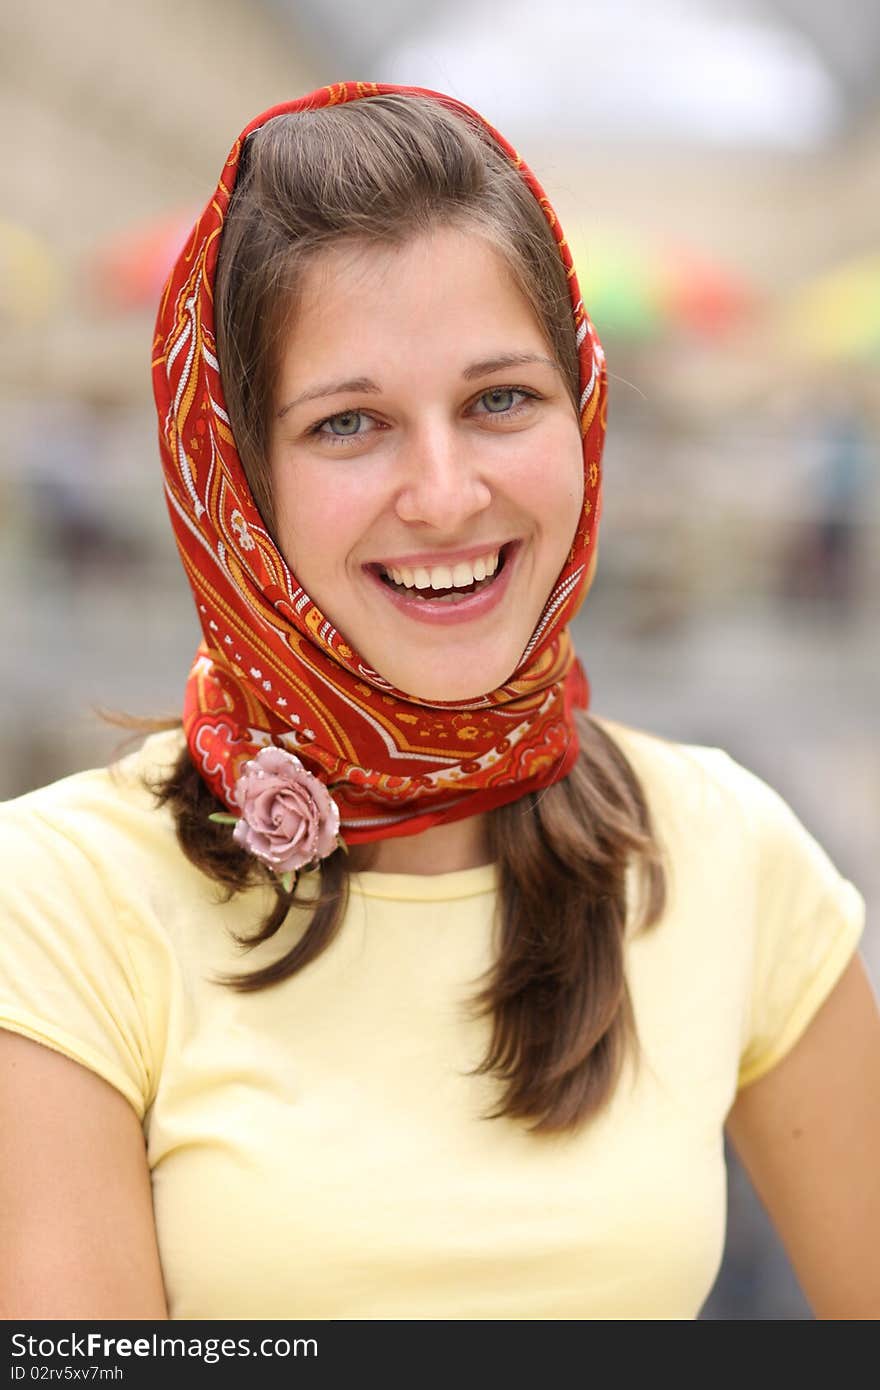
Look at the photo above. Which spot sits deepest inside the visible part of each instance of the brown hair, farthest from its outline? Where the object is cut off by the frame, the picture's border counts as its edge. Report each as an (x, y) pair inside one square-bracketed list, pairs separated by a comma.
[(382, 169)]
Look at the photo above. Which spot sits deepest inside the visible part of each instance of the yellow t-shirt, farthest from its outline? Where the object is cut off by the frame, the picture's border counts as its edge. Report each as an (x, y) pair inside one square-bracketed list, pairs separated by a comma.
[(317, 1149)]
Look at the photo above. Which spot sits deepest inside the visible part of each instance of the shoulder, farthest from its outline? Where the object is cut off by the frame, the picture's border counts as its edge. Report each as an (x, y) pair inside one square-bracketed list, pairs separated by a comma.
[(123, 782), (103, 816), (710, 809), (90, 879), (94, 858), (682, 780), (715, 816)]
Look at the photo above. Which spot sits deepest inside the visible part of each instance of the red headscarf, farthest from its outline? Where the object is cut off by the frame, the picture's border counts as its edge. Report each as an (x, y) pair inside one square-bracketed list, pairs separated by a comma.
[(272, 668)]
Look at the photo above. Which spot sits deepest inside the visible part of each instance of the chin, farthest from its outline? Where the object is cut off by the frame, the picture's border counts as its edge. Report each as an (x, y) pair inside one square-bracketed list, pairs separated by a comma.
[(445, 694), (451, 686)]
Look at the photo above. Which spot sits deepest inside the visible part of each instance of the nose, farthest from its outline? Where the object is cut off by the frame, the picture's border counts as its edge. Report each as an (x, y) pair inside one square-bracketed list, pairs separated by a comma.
[(443, 485)]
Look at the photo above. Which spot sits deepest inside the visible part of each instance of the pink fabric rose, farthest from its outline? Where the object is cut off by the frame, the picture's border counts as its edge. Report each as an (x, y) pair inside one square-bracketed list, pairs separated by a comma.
[(288, 817)]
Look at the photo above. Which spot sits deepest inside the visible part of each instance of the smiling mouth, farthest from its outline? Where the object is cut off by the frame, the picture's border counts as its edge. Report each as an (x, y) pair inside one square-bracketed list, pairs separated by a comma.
[(445, 584)]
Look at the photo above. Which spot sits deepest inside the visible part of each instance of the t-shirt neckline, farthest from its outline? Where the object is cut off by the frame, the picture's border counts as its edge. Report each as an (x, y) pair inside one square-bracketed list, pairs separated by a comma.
[(457, 883)]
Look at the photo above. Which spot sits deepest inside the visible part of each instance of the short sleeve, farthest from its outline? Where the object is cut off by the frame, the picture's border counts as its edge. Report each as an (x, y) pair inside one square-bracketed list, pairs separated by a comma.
[(808, 922), (69, 973)]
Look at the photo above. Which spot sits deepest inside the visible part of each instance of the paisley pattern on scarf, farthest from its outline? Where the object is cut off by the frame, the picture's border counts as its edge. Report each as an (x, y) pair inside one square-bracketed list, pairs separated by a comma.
[(271, 667)]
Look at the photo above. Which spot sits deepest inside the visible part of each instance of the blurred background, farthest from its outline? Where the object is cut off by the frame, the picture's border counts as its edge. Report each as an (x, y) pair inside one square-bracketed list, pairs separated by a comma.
[(716, 166)]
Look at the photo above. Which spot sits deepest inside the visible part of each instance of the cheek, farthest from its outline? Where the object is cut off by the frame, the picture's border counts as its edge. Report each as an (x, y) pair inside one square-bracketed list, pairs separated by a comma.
[(576, 479), (565, 496), (563, 486), (574, 456), (321, 513)]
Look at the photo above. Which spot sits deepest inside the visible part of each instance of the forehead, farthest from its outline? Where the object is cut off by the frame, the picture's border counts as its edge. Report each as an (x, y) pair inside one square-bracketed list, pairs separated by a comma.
[(434, 289)]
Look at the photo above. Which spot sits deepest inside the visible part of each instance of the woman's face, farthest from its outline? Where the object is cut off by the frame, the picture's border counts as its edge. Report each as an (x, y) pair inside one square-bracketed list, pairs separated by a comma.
[(423, 444)]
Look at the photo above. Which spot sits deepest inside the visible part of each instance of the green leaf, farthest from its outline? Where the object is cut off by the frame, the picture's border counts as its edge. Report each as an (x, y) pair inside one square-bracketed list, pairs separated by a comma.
[(287, 882), (222, 818)]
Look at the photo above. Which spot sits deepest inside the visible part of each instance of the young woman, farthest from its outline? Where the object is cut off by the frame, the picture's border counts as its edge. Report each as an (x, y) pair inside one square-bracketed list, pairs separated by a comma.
[(391, 983)]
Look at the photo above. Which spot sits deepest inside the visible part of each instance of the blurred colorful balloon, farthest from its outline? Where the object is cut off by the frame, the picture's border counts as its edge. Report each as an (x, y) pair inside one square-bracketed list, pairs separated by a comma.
[(836, 317), (30, 276), (128, 271), (639, 293)]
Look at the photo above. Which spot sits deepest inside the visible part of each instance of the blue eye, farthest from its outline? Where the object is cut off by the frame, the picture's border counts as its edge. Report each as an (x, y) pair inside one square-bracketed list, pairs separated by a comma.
[(350, 420), (346, 425), (501, 398), (352, 425)]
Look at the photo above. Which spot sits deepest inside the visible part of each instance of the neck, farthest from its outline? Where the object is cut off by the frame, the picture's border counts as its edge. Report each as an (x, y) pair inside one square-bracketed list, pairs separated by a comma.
[(442, 849)]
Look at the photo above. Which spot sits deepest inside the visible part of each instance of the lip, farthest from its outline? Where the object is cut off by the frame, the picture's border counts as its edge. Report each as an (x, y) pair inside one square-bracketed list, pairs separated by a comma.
[(425, 559), (477, 606)]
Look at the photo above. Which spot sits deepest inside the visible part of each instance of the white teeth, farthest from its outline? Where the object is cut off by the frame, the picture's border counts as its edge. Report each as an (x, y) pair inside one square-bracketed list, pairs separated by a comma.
[(459, 576)]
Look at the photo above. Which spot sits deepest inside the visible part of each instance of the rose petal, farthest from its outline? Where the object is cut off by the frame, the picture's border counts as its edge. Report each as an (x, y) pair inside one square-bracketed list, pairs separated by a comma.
[(288, 818)]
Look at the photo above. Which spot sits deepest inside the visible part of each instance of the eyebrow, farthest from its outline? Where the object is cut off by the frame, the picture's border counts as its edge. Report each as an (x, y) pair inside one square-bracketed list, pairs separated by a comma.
[(365, 386)]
